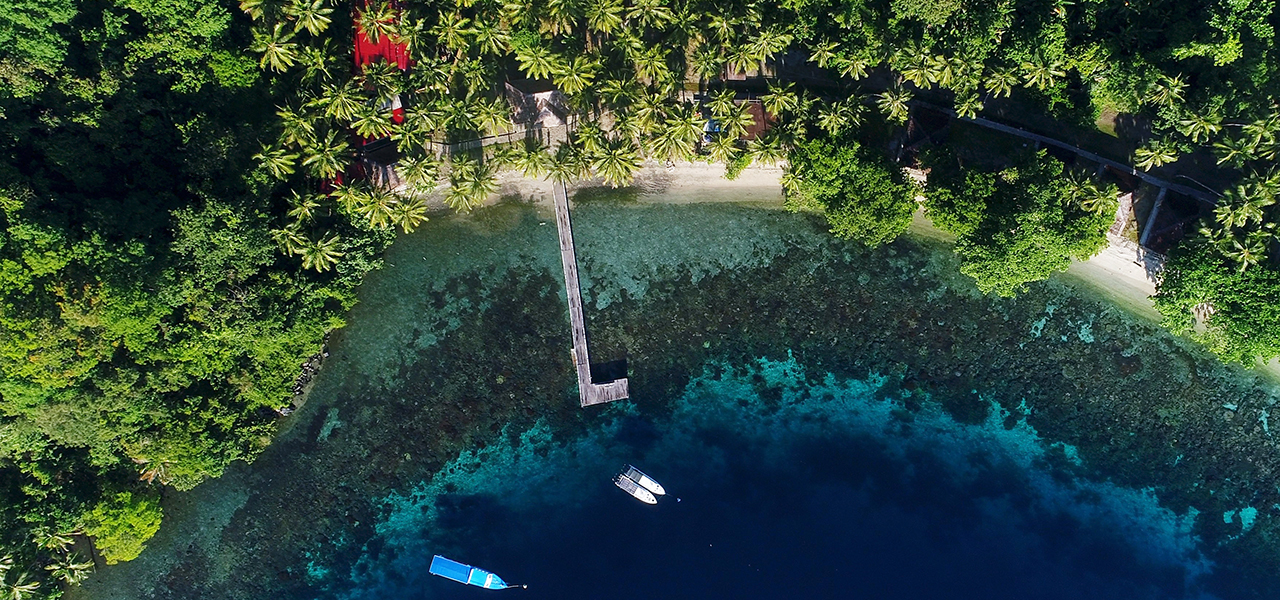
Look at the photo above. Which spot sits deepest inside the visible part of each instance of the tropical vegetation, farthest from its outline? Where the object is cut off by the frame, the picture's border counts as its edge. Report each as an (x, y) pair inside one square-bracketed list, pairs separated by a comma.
[(191, 191)]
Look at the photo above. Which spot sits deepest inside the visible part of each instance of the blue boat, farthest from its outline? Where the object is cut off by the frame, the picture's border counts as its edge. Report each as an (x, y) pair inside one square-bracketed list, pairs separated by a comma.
[(452, 569)]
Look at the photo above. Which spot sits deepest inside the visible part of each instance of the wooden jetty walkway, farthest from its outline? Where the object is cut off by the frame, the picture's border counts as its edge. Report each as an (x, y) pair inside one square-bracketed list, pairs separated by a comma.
[(591, 393)]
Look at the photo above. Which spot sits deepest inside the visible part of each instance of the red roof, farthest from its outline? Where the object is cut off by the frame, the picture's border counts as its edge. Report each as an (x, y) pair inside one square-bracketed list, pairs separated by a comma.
[(369, 52)]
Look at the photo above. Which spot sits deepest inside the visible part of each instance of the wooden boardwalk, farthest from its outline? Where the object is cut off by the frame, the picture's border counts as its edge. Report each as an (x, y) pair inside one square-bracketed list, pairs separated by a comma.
[(589, 392)]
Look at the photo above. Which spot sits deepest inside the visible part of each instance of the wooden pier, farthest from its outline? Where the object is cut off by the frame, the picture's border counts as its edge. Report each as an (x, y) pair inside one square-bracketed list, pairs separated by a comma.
[(589, 392)]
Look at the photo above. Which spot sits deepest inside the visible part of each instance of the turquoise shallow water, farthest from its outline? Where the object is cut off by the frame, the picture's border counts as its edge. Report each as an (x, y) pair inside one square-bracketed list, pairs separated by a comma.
[(837, 422)]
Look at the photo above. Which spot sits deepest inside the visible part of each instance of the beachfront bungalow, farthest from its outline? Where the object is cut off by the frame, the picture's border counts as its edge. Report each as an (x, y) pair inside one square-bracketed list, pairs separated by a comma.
[(536, 104)]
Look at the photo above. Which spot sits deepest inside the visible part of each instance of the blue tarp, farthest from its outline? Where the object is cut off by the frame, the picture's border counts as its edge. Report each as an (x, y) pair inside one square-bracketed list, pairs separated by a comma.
[(450, 569)]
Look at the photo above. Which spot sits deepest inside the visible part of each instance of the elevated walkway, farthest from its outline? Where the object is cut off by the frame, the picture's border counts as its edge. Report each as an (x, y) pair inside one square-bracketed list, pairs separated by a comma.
[(589, 392)]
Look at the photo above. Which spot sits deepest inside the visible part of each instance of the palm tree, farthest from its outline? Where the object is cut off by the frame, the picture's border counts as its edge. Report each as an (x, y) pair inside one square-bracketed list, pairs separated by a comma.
[(21, 588), (409, 137), (1243, 204), (477, 75), (1156, 153), (257, 9), (767, 149), (651, 65), (452, 31), (618, 93), (1249, 252), (312, 15), (686, 124), (780, 100), (575, 76), (326, 157), (707, 62), (302, 208), (69, 569), (1200, 128), (915, 62), (648, 111), (835, 117), (470, 184), (378, 206), (741, 59), (350, 198), (1082, 190), (894, 103), (411, 33), (48, 538), (372, 123), (920, 72), (277, 161), (385, 79), (723, 27), (418, 172), (567, 164), (723, 103), (315, 63), (278, 51), (947, 71), (1235, 150), (628, 43), (1260, 131), (558, 17), (290, 241), (1000, 81), (722, 149), (853, 68), (410, 213), (340, 101), (297, 127), (650, 13), (604, 16), (503, 156), (618, 162), (737, 122), (431, 76), (1042, 72), (823, 52), (533, 161), (377, 19), (968, 105), (537, 61), (320, 254), (669, 145), (1167, 91), (493, 117), (769, 42), (591, 137), (490, 38)]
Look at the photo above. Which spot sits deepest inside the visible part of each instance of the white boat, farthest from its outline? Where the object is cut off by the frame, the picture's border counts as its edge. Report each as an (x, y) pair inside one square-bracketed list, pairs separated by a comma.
[(645, 481), (629, 486)]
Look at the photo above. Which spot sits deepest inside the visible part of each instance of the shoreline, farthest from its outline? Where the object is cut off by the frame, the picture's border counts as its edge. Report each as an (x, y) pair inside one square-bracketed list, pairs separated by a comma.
[(1115, 273)]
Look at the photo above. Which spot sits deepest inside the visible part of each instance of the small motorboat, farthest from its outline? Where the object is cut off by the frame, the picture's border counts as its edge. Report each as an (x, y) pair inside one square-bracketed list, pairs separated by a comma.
[(630, 486), (645, 481), (456, 571)]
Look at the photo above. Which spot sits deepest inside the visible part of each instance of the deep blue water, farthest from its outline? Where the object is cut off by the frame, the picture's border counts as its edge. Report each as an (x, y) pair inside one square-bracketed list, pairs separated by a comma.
[(786, 491)]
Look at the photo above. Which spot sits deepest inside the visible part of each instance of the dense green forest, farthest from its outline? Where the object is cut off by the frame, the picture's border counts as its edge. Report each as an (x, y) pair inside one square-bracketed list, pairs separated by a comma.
[(175, 242)]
